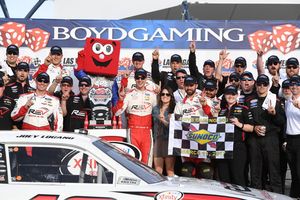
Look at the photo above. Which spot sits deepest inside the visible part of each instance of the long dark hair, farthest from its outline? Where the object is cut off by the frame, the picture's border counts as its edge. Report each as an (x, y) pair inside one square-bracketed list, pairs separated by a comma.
[(172, 103)]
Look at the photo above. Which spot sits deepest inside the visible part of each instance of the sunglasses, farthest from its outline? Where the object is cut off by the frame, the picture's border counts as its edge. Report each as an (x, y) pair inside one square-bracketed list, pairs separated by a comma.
[(84, 85), (273, 63), (234, 80), (65, 85), (42, 80), (246, 79), (262, 84), (165, 94), (180, 77), (23, 70), (292, 66), (239, 66), (12, 53), (140, 78)]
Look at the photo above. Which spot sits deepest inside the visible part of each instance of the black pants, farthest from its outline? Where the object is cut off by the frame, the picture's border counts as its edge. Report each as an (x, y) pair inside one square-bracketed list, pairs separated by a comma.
[(264, 153), (233, 170), (293, 155)]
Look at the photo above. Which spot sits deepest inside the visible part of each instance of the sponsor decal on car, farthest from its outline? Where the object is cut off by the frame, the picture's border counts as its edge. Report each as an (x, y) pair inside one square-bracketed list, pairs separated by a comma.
[(169, 195)]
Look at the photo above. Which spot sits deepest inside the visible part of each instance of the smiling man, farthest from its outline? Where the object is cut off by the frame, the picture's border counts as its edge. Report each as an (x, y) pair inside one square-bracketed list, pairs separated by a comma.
[(138, 105), (39, 110), (76, 108), (52, 65)]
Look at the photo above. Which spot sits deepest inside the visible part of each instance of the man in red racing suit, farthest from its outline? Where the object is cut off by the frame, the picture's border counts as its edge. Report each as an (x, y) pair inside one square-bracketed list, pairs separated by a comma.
[(39, 110), (138, 104)]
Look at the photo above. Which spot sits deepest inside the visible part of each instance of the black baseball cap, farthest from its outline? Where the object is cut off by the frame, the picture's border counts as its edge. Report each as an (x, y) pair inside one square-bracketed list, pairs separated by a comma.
[(210, 63), (263, 79), (67, 79), (190, 80), (272, 59), (138, 56), (43, 76), (181, 70), (295, 79), (292, 61), (235, 75), (140, 72), (23, 65), (286, 83), (231, 89), (176, 58), (188, 169), (86, 79), (12, 49), (240, 60), (56, 50), (247, 73), (210, 84)]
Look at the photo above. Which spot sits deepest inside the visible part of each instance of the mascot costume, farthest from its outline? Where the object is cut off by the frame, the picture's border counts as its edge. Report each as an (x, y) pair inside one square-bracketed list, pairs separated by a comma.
[(100, 61)]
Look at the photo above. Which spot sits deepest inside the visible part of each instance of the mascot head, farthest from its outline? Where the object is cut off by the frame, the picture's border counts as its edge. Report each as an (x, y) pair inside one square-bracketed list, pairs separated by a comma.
[(99, 57)]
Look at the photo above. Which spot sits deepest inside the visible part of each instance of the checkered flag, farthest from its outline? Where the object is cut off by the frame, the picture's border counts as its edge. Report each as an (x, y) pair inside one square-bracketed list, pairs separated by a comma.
[(201, 137)]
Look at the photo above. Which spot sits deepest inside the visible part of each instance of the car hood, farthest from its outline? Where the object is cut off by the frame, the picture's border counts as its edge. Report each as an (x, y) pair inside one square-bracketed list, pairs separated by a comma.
[(215, 188)]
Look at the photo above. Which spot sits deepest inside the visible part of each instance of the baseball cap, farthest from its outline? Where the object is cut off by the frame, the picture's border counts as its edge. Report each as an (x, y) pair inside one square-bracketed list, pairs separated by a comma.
[(240, 60), (23, 65), (190, 80), (292, 61), (176, 58), (43, 76), (272, 59), (210, 84), (1, 82), (295, 79), (263, 79), (140, 72), (138, 56), (56, 50), (12, 49), (67, 79), (210, 63), (247, 73), (180, 71), (286, 83), (235, 76), (230, 90), (85, 79)]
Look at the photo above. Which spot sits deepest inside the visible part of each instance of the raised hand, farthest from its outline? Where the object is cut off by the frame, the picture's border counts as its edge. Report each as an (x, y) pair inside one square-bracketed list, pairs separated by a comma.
[(48, 60), (202, 98), (275, 79), (271, 109), (223, 54), (155, 54), (260, 53), (193, 46)]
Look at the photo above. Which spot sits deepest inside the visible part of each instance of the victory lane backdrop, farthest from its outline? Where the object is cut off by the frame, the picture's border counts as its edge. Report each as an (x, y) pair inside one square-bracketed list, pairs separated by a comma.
[(201, 137)]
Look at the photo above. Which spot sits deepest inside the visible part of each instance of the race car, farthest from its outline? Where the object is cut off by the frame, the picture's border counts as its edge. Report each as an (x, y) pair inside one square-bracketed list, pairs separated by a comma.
[(39, 165)]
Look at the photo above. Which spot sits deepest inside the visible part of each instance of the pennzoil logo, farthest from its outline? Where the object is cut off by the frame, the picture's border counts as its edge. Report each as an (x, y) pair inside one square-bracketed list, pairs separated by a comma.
[(203, 136)]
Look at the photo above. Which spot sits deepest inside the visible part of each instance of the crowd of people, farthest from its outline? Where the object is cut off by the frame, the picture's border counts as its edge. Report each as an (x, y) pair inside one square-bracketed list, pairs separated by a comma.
[(265, 111)]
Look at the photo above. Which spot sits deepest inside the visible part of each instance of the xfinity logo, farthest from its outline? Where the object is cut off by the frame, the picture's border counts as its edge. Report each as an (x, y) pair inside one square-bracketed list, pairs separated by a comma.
[(143, 34)]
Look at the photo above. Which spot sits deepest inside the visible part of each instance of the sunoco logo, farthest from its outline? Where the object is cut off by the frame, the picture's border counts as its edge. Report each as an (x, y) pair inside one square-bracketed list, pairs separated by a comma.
[(203, 136)]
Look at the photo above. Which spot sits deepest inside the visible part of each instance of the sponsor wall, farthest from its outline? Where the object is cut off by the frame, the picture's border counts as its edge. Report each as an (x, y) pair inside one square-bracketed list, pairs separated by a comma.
[(240, 38)]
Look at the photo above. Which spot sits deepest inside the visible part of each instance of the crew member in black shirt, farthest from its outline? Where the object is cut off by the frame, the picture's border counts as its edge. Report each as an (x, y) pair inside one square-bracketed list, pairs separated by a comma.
[(269, 117), (76, 109), (233, 170), (6, 106), (20, 86)]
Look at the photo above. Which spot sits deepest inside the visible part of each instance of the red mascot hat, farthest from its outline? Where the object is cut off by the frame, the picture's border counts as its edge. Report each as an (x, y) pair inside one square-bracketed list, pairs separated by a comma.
[(99, 57)]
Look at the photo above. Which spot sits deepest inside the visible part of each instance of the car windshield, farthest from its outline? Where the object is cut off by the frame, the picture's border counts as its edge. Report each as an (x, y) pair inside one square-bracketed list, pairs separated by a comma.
[(144, 172)]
